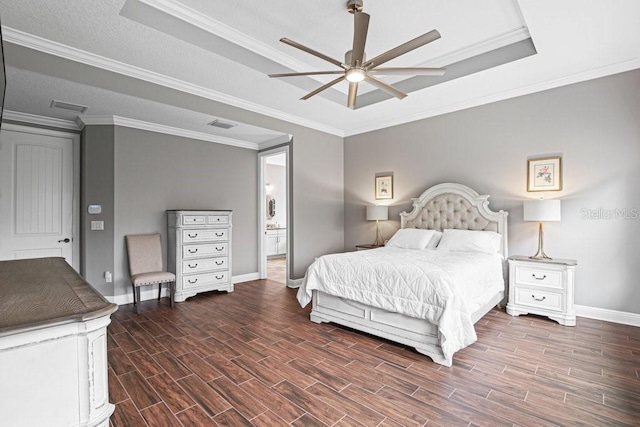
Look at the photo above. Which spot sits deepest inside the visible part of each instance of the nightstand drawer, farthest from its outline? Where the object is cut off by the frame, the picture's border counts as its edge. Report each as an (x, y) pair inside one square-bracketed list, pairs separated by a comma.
[(540, 299), (537, 276)]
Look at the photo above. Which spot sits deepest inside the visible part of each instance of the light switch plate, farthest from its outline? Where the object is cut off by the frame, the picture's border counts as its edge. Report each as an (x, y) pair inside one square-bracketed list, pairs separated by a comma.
[(97, 225)]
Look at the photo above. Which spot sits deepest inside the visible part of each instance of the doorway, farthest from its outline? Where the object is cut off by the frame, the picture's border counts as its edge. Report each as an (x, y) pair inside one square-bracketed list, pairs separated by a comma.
[(39, 194), (274, 224)]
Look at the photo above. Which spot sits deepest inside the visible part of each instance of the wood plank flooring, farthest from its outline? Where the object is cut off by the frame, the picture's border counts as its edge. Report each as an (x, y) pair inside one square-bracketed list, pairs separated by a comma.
[(252, 357)]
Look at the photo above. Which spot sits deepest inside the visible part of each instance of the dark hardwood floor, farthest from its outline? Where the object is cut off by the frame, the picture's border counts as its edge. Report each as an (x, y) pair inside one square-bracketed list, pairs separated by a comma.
[(252, 357)]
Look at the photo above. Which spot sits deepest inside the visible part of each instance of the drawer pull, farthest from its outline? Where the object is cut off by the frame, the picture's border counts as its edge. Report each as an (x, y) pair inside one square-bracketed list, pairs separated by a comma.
[(219, 262), (192, 266), (219, 249), (219, 234), (193, 236), (538, 278), (538, 299), (220, 277), (193, 251), (192, 281)]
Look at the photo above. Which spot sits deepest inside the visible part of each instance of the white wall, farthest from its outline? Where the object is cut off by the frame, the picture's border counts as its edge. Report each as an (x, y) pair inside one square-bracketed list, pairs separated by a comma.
[(595, 125)]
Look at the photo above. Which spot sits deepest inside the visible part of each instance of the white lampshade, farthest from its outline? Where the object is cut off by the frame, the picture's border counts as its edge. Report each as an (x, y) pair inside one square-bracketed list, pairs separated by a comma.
[(380, 213), (542, 210)]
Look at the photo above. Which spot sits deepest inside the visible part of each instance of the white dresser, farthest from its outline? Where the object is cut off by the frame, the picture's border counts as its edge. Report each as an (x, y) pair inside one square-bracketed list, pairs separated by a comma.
[(199, 251), (543, 287)]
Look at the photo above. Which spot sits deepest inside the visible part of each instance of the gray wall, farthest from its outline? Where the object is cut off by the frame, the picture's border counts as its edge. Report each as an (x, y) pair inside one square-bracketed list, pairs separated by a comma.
[(96, 187), (595, 125), (156, 172)]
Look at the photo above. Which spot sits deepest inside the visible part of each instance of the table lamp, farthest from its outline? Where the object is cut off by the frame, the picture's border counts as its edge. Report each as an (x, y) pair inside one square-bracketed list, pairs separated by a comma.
[(378, 213), (541, 211)]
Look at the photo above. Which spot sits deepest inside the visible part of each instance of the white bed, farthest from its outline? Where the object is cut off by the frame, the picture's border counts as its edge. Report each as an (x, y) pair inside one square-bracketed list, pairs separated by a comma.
[(403, 318)]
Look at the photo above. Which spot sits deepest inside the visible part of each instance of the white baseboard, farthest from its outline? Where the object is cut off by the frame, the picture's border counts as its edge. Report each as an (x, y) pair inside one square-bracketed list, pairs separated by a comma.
[(622, 317), (294, 283), (151, 292), (245, 277)]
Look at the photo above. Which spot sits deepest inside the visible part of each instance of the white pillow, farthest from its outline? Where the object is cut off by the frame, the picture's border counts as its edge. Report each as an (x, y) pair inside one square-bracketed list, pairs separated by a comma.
[(433, 243), (411, 238), (470, 241)]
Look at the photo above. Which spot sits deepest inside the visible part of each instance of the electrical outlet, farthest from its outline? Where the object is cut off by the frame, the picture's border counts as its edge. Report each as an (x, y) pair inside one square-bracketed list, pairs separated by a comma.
[(108, 277), (97, 225)]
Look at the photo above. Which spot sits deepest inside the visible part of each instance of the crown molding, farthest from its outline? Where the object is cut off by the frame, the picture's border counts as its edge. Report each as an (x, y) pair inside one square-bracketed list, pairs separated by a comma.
[(30, 41), (283, 139), (478, 48), (619, 67), (167, 130), (33, 119)]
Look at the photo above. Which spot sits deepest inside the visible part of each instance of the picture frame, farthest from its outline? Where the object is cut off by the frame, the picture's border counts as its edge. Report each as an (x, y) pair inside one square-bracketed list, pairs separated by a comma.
[(544, 174), (384, 187)]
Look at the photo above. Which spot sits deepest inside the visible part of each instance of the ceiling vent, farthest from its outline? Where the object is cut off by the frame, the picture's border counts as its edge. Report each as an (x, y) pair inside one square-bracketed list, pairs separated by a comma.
[(220, 124), (68, 106)]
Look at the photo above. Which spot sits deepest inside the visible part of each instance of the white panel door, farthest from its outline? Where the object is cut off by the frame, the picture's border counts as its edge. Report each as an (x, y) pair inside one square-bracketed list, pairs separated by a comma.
[(36, 195)]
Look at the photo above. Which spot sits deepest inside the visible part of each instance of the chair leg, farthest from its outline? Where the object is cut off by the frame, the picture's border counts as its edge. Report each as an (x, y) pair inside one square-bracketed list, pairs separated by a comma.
[(159, 290), (138, 298), (133, 288), (172, 289)]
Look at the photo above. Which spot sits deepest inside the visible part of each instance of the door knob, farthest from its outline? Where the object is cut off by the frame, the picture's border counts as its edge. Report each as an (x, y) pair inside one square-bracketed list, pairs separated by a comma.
[(67, 240)]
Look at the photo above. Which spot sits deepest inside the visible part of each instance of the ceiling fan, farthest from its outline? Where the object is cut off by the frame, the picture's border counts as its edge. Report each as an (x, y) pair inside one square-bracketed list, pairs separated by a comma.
[(357, 68)]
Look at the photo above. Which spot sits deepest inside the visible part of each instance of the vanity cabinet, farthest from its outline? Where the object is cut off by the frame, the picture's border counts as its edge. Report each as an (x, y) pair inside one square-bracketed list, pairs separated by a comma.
[(276, 241), (199, 251)]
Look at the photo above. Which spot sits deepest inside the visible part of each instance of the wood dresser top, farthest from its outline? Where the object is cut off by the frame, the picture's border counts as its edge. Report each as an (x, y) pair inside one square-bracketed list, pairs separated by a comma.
[(43, 292)]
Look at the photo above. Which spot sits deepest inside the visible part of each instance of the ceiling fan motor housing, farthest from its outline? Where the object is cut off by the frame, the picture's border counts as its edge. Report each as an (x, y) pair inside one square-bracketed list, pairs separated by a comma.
[(349, 55), (354, 6)]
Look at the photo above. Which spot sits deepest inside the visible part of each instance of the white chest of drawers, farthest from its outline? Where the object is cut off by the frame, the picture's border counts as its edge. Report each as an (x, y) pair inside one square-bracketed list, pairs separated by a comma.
[(199, 251), (543, 287)]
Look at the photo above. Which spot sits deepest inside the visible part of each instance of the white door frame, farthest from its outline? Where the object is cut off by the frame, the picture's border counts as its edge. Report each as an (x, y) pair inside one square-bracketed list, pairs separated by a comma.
[(262, 208), (75, 137)]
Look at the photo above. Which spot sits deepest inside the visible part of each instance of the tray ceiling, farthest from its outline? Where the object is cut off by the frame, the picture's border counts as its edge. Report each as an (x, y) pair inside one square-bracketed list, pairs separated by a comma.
[(126, 57)]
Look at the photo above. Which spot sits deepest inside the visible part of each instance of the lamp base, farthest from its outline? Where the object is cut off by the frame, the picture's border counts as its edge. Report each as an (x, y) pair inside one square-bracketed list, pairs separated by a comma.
[(379, 241), (540, 255)]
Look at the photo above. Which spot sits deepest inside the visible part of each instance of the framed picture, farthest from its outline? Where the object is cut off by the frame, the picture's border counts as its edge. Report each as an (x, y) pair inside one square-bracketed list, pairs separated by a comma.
[(544, 174), (384, 187)]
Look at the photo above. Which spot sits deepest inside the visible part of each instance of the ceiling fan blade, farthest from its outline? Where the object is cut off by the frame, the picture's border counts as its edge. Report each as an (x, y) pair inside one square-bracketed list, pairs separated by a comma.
[(323, 87), (416, 71), (311, 51), (385, 87), (360, 28), (308, 73), (403, 48), (353, 93)]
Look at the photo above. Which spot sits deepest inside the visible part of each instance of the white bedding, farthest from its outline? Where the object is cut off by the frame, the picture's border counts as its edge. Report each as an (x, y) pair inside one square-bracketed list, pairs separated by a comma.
[(442, 287)]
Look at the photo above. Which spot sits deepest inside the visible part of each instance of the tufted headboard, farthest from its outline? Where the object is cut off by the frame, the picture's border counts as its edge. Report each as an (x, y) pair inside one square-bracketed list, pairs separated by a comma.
[(455, 206)]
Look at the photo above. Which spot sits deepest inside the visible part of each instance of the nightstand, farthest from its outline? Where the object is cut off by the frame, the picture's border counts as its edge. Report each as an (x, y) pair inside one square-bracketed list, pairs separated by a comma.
[(543, 287), (367, 247)]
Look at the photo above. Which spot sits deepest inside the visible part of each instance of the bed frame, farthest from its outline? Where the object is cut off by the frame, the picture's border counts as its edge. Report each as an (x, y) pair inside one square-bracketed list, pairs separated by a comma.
[(442, 206)]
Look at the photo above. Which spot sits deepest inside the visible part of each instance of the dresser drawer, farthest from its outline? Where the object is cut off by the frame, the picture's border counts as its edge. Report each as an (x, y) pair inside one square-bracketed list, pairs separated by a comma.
[(205, 279), (207, 264), (204, 249), (537, 276), (541, 299), (203, 235), (194, 219), (217, 219)]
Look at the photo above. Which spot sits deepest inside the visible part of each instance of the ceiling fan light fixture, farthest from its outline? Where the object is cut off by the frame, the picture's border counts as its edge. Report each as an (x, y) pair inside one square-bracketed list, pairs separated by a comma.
[(355, 75)]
